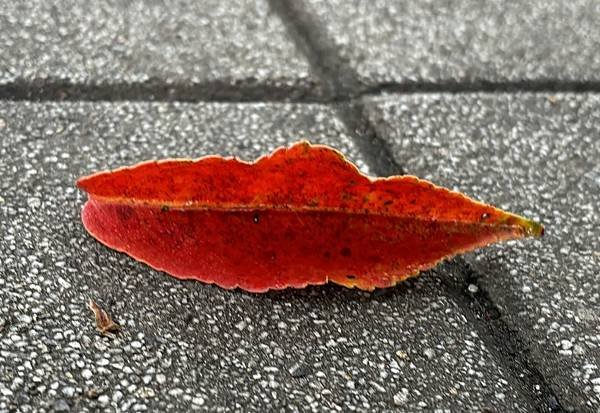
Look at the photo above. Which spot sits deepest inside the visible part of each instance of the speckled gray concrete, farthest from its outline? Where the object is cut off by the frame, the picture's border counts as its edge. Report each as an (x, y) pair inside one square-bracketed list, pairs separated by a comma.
[(138, 41), (189, 345), (536, 155), (465, 40)]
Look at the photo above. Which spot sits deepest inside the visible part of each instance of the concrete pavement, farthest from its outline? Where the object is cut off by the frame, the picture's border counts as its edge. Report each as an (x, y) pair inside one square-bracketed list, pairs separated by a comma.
[(499, 102)]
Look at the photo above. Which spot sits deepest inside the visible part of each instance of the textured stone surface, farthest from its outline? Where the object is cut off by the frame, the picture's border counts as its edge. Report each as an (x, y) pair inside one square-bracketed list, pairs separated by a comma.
[(138, 41), (465, 40), (536, 155), (186, 345)]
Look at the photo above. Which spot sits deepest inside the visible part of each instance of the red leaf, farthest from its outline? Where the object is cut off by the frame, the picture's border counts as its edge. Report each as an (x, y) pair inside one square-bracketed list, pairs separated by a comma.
[(303, 215)]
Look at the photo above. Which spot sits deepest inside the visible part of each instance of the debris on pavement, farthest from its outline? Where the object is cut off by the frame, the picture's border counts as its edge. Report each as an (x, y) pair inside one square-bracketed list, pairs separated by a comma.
[(104, 324)]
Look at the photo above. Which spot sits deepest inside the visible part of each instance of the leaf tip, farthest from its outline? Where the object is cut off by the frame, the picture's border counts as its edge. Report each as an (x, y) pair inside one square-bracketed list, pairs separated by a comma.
[(81, 183), (535, 229), (530, 228)]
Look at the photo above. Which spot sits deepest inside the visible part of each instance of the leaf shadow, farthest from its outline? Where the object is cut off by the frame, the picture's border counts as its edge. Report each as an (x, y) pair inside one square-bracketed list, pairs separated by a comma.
[(333, 293)]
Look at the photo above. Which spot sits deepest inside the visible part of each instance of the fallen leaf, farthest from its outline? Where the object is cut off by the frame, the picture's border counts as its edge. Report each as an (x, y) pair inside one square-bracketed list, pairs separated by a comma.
[(104, 323), (302, 215)]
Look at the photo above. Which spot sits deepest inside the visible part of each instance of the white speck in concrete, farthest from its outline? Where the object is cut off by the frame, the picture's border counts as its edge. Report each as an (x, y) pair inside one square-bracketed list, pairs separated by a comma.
[(117, 396), (6, 392), (401, 397), (566, 344), (175, 392), (34, 202), (68, 391), (198, 401), (429, 353)]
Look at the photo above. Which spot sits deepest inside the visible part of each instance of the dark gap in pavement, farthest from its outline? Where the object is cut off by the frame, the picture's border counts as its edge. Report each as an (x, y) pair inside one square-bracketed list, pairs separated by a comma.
[(479, 308), (322, 55), (484, 86), (506, 343), (160, 91), (155, 90)]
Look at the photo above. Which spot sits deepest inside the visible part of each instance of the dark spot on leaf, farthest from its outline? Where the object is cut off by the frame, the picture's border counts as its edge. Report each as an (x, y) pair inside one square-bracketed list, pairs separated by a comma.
[(125, 212), (327, 254), (346, 252), (388, 202), (164, 208), (256, 218), (485, 215), (351, 276)]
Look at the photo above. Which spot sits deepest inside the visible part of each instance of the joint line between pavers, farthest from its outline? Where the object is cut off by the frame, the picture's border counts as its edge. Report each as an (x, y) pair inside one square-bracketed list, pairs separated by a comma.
[(159, 92), (222, 92), (548, 86), (340, 82), (506, 343)]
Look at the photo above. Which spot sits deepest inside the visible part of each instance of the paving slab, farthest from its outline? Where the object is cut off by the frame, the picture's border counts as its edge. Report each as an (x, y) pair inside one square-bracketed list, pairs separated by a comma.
[(182, 43), (463, 41), (187, 345), (536, 155)]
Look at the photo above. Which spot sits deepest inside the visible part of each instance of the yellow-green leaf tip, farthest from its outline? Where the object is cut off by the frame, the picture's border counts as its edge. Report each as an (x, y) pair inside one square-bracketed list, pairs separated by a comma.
[(531, 228)]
